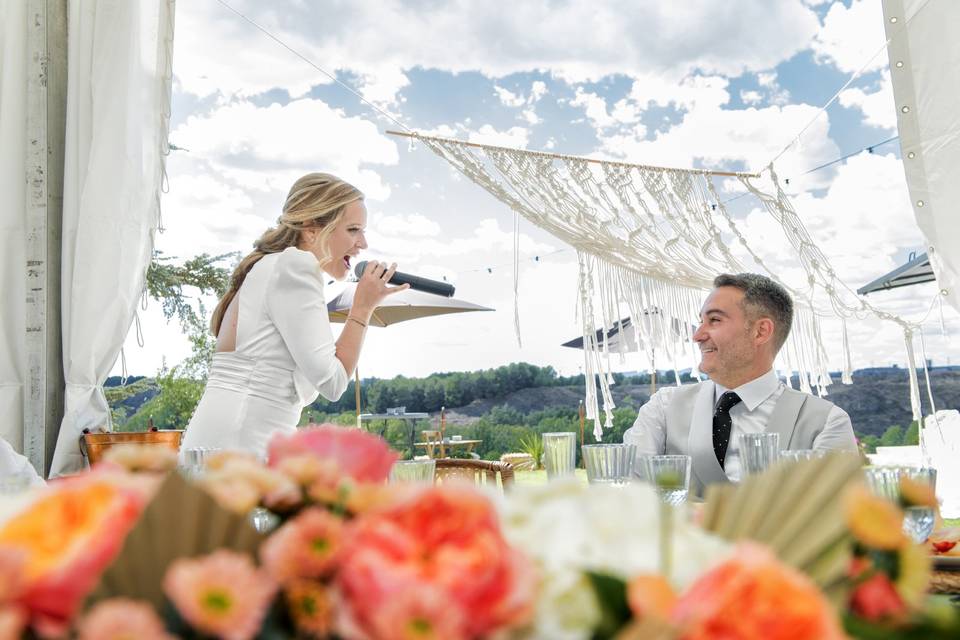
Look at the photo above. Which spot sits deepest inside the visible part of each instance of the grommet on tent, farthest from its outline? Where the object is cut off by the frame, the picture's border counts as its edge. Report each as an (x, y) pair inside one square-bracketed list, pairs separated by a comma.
[(919, 203), (899, 64), (911, 155), (905, 109), (893, 19)]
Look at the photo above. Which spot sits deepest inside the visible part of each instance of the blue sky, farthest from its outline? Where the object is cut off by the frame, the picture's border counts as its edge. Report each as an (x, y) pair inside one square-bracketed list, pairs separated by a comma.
[(694, 84)]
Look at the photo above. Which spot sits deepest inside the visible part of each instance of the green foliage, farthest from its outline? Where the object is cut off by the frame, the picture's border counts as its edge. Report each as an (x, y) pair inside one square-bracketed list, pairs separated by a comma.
[(892, 437), (165, 282), (611, 593), (912, 435), (870, 443), (532, 445), (181, 386)]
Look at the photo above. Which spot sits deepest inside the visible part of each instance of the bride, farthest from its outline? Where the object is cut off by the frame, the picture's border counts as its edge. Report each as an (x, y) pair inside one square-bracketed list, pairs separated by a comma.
[(275, 348)]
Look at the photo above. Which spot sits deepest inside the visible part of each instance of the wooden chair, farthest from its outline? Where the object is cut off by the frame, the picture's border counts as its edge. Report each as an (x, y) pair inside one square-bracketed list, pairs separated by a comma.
[(476, 471), (434, 440), (94, 445)]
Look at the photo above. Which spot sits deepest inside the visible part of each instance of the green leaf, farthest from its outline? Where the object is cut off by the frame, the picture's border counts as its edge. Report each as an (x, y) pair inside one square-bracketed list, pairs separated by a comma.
[(614, 611)]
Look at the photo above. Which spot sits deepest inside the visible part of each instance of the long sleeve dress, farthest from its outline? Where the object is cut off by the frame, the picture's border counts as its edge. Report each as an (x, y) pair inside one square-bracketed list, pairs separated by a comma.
[(284, 357)]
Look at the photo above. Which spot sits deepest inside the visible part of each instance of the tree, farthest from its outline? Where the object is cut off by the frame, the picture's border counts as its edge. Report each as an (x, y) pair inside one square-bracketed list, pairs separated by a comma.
[(892, 437), (181, 386)]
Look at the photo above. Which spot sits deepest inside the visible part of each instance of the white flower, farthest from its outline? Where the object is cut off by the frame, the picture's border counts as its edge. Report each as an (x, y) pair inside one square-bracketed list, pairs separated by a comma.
[(568, 528)]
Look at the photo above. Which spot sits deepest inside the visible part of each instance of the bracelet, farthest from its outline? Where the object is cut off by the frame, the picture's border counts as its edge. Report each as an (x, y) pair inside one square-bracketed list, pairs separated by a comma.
[(362, 324)]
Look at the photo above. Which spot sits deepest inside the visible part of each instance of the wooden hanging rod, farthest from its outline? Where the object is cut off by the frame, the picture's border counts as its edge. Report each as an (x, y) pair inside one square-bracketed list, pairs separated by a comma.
[(560, 156)]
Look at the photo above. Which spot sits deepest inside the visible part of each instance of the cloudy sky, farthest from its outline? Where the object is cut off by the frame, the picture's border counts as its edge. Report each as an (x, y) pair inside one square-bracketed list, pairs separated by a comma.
[(691, 84)]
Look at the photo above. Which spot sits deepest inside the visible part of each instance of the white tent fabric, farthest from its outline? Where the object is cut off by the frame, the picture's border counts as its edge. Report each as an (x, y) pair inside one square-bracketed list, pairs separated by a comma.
[(655, 237), (925, 69), (13, 192), (118, 100)]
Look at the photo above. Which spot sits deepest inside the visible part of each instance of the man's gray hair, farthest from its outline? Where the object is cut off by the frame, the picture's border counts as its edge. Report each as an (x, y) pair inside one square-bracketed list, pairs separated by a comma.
[(762, 298)]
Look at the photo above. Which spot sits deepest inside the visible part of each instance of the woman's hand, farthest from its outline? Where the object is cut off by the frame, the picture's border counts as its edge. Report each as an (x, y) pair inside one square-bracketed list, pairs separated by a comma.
[(372, 288)]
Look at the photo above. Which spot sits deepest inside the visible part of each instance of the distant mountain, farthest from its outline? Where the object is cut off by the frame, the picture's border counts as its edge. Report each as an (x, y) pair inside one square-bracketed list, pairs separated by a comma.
[(878, 398)]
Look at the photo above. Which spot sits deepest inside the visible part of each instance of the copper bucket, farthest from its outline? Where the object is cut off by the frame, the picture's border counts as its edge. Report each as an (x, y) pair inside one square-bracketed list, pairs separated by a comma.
[(94, 445)]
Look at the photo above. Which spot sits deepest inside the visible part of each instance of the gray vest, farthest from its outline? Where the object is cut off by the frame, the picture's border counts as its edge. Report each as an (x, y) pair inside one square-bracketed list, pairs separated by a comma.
[(798, 418)]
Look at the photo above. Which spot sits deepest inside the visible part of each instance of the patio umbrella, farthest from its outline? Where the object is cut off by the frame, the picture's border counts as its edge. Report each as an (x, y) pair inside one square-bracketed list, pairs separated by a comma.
[(622, 337), (398, 307)]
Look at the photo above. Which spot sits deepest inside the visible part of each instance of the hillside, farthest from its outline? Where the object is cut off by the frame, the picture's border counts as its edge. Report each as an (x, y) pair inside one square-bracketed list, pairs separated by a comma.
[(876, 400)]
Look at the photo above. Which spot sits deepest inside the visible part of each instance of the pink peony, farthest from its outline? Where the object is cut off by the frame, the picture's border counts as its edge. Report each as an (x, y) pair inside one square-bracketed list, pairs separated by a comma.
[(307, 546), (122, 619), (222, 594), (435, 544), (359, 455)]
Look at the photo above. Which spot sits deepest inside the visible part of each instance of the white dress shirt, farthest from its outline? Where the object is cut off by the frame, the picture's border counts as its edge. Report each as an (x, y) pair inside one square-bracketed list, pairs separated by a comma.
[(758, 398)]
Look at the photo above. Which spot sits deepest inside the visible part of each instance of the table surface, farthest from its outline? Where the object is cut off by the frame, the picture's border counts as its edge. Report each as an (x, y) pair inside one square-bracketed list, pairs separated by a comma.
[(447, 442)]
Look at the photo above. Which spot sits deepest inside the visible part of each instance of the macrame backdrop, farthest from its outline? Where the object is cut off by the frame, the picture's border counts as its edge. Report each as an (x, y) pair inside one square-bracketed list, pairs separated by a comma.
[(649, 241)]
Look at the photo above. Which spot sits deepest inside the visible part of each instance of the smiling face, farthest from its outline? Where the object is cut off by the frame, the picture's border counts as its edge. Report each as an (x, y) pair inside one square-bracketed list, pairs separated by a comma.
[(734, 347), (337, 249)]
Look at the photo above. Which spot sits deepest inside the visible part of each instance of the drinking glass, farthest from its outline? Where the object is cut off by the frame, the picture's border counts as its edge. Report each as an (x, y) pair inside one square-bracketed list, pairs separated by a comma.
[(413, 471), (263, 520), (193, 461), (918, 523), (885, 481), (559, 453), (609, 463), (670, 474), (758, 451), (798, 455)]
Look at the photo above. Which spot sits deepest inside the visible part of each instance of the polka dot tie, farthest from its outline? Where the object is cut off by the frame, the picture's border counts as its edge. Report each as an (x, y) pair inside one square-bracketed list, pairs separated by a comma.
[(722, 424)]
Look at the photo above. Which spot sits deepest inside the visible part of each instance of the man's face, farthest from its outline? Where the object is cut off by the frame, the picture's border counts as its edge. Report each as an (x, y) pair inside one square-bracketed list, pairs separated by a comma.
[(725, 338)]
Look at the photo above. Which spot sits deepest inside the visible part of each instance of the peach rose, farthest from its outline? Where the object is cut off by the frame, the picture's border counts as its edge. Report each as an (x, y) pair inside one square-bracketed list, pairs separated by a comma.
[(435, 544), (752, 595)]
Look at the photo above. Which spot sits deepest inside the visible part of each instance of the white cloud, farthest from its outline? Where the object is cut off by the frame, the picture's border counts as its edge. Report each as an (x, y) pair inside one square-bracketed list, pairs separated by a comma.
[(488, 239), (267, 148), (722, 138), (509, 98), (850, 36), (382, 86), (878, 108), (517, 137), (577, 40), (595, 108), (751, 97), (415, 225), (687, 93), (537, 90)]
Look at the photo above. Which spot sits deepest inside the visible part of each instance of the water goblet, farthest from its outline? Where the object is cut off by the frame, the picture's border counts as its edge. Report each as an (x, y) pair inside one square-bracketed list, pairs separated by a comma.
[(758, 451), (413, 471)]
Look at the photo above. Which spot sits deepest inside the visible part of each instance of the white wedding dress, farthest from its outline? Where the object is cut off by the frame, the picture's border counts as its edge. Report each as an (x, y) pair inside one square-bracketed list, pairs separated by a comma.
[(284, 357)]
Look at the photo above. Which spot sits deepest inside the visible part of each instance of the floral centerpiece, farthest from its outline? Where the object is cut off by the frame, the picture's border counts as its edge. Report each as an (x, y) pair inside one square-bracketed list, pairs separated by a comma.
[(353, 557)]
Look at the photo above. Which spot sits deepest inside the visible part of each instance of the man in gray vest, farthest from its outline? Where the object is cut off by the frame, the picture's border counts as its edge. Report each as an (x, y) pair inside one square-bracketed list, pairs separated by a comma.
[(743, 323)]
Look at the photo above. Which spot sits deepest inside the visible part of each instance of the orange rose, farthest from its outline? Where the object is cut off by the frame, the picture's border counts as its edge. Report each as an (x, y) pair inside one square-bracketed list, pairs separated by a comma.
[(753, 595), (67, 537)]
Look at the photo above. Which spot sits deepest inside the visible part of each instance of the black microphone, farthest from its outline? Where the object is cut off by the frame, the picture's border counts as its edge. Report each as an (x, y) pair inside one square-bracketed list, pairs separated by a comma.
[(416, 282)]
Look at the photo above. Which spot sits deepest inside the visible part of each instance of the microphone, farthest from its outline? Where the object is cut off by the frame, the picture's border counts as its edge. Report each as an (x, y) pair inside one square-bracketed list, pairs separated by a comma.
[(416, 282)]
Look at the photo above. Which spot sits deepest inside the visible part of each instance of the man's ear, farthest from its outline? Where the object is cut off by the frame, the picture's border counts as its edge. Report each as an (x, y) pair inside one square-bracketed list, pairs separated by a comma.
[(763, 330)]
